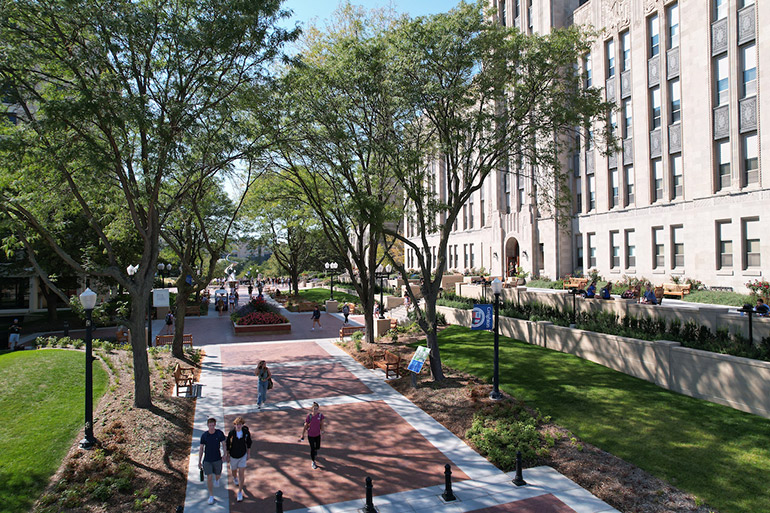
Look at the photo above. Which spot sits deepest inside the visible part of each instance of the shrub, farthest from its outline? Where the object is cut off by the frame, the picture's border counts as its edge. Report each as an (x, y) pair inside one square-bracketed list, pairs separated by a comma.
[(759, 288), (261, 318), (502, 430)]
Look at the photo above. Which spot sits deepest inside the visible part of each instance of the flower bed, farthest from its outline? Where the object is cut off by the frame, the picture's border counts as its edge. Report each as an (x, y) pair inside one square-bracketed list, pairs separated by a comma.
[(257, 316)]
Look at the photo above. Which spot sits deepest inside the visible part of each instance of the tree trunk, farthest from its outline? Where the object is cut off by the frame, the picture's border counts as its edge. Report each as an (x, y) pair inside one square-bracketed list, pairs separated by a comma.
[(137, 324), (177, 349), (431, 331)]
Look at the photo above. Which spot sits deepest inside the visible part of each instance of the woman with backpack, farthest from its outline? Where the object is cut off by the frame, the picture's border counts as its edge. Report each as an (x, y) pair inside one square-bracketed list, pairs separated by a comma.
[(264, 380), (238, 445)]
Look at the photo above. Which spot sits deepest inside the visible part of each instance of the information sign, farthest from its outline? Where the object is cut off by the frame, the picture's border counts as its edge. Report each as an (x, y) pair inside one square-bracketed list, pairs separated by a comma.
[(482, 317), (418, 360), (160, 297)]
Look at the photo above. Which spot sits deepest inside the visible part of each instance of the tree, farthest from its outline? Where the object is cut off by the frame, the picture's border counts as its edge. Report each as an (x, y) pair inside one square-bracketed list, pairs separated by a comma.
[(109, 95), (484, 98)]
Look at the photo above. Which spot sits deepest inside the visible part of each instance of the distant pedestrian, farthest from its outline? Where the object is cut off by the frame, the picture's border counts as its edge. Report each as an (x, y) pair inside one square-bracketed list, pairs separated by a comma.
[(314, 425), (221, 306), (210, 456), (238, 447), (260, 286), (407, 302), (346, 312), (263, 383), (15, 333), (316, 318), (169, 329), (251, 290)]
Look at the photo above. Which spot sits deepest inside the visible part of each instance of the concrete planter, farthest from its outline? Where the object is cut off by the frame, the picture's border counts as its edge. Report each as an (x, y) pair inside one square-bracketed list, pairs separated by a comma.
[(262, 329)]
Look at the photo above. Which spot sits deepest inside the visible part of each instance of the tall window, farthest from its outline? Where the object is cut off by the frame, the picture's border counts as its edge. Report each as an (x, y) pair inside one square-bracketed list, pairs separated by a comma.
[(625, 50), (672, 21), (630, 249), (677, 176), (628, 118), (614, 122), (675, 95), (507, 191), (750, 158), (655, 107), (520, 182), (723, 161), (720, 9), (629, 177), (654, 31), (591, 192), (530, 22), (465, 217), (579, 250), (578, 195), (657, 180), (587, 67), (609, 51), (614, 250), (722, 72), (591, 250), (517, 8), (745, 3), (749, 69), (614, 188), (470, 212), (473, 260), (482, 213), (658, 248), (503, 13), (751, 243), (724, 245), (465, 256), (677, 247)]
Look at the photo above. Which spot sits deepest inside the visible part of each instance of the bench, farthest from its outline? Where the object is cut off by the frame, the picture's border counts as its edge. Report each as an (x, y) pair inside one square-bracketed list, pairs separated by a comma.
[(192, 310), (575, 283), (163, 340), (183, 377), (346, 331), (676, 289), (122, 335), (390, 363)]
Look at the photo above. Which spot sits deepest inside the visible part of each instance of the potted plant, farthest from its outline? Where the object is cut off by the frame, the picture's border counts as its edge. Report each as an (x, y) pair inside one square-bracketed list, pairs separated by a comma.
[(521, 276)]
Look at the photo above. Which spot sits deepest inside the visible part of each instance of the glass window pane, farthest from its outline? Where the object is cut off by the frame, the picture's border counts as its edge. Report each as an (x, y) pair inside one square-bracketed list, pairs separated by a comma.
[(676, 101), (720, 9), (673, 26), (749, 71), (625, 42), (609, 50), (655, 103), (750, 159), (654, 36), (723, 81)]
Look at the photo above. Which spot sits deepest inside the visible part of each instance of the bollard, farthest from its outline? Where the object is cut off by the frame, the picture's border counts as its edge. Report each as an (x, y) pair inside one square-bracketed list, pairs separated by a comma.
[(279, 501), (518, 480), (66, 328), (448, 496), (180, 509), (369, 507)]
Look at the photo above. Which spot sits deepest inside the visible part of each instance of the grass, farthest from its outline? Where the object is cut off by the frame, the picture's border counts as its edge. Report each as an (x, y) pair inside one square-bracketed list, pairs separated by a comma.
[(42, 400), (719, 298), (717, 453), (320, 295)]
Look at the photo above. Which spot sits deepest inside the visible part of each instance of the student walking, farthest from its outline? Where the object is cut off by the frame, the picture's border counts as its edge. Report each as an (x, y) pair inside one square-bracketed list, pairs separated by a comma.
[(346, 313), (314, 425), (316, 318), (238, 447), (15, 333), (169, 324), (263, 384), (210, 456)]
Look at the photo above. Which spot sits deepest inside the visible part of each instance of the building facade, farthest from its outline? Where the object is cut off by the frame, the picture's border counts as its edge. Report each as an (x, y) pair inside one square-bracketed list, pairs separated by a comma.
[(685, 195)]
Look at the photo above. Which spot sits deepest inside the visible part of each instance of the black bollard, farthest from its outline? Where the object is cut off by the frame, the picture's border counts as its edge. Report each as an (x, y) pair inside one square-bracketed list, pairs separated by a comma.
[(369, 507), (279, 501), (518, 480), (448, 496), (66, 328), (180, 509)]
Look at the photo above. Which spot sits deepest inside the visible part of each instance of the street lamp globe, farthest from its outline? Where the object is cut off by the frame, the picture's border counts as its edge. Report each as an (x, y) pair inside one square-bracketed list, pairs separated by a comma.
[(497, 286), (161, 267), (88, 299)]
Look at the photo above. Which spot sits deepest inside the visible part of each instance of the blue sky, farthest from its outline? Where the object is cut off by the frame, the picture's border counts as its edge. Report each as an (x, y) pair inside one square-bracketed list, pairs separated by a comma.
[(306, 10)]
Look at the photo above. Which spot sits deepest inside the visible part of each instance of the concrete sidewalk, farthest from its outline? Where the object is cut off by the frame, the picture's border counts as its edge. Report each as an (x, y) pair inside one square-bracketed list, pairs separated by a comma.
[(370, 430)]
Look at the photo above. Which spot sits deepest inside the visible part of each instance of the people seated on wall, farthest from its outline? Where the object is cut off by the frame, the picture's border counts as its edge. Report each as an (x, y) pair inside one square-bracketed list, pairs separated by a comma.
[(606, 291), (762, 309), (649, 296), (590, 292)]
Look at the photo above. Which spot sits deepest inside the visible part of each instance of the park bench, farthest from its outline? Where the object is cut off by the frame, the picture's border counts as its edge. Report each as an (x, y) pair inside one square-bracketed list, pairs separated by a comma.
[(162, 340), (183, 378), (122, 335), (192, 310), (346, 331), (575, 283), (390, 363), (676, 289)]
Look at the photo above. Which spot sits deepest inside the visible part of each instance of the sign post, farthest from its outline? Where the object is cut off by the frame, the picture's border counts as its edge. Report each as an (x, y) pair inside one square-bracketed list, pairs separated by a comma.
[(418, 360)]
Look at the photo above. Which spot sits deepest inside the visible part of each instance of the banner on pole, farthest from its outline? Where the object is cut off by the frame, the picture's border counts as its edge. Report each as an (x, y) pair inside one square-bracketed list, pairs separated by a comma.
[(418, 360), (482, 317)]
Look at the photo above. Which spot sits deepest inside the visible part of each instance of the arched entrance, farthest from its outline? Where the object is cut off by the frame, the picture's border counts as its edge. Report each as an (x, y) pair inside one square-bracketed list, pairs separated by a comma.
[(511, 256)]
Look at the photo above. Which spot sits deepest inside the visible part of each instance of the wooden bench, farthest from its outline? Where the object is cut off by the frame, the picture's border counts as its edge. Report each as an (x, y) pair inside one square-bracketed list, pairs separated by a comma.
[(192, 310), (163, 340), (676, 289), (346, 331), (183, 377), (391, 363), (575, 283), (122, 336)]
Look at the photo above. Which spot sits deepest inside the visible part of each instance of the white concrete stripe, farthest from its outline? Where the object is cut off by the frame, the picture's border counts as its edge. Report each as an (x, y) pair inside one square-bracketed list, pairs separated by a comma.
[(304, 404)]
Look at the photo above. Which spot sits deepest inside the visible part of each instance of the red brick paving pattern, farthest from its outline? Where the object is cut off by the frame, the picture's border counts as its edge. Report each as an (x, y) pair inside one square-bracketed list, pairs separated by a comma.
[(251, 354), (362, 439), (541, 504)]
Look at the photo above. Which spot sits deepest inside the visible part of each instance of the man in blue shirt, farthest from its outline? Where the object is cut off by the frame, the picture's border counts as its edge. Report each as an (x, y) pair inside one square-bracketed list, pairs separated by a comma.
[(649, 296), (210, 456)]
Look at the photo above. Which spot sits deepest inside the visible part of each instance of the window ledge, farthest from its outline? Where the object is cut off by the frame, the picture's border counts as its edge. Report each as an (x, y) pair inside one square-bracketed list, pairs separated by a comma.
[(723, 272), (752, 272), (658, 271), (677, 272), (631, 270), (614, 271)]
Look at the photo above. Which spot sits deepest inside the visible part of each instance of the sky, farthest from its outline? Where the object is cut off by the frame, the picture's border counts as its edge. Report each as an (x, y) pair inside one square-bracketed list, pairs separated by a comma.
[(306, 10)]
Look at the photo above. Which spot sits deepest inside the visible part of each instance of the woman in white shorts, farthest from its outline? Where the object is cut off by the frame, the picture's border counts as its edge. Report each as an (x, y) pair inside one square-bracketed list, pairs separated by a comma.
[(238, 447)]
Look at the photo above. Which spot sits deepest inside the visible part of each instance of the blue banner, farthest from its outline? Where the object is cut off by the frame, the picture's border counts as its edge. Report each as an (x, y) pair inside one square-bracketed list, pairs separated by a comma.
[(482, 317)]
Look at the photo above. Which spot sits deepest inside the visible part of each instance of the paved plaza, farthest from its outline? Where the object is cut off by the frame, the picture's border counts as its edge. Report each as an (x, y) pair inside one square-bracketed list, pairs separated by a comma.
[(370, 430)]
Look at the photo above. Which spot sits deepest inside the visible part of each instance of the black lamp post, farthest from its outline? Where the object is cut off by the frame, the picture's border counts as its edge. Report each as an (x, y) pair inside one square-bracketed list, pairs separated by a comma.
[(88, 300), (382, 275), (331, 268), (749, 310), (497, 289), (574, 293), (161, 268)]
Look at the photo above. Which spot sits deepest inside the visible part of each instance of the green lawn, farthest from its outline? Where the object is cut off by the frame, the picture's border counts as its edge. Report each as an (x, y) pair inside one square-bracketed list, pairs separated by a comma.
[(42, 402), (320, 295), (717, 453)]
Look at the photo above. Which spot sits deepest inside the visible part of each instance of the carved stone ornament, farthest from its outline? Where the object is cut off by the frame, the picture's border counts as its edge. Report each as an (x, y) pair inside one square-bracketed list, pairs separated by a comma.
[(610, 89), (616, 15), (746, 24), (674, 138), (748, 114), (612, 161), (628, 151), (653, 71), (721, 122), (672, 63), (650, 5), (719, 36), (656, 145), (625, 84)]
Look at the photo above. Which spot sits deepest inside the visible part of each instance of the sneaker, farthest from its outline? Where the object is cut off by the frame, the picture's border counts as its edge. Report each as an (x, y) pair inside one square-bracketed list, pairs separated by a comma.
[(216, 482), (314, 465), (312, 329), (211, 499), (235, 481), (240, 497)]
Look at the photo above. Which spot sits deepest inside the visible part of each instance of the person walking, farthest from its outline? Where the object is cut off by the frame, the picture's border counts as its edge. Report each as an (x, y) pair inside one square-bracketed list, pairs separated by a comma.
[(15, 333), (210, 456), (314, 425), (238, 445), (251, 290), (263, 384), (346, 313), (169, 324), (316, 318)]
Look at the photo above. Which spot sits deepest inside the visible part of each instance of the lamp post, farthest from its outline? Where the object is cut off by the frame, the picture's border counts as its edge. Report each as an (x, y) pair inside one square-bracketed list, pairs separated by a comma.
[(381, 275), (331, 268), (88, 300), (574, 293), (161, 268), (497, 289), (131, 270), (749, 310)]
